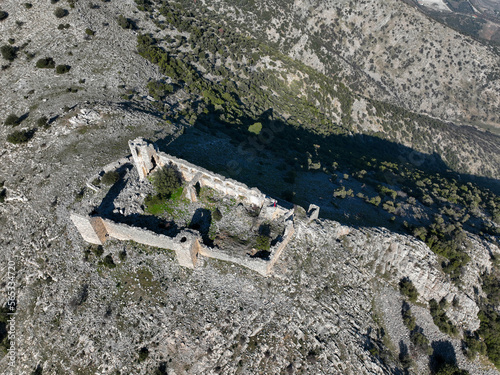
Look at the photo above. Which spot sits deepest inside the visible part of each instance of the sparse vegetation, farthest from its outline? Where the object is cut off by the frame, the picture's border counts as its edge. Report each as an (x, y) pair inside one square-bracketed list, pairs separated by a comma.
[(89, 32), (3, 15), (20, 136), (9, 53), (46, 63), (126, 23), (43, 122), (12, 120), (438, 314), (60, 12), (407, 289), (61, 69), (110, 178), (143, 354)]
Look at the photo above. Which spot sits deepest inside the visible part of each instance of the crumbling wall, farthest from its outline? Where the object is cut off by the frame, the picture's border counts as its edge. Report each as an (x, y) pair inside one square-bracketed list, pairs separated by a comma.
[(146, 158), (254, 264), (86, 229), (278, 248), (97, 230)]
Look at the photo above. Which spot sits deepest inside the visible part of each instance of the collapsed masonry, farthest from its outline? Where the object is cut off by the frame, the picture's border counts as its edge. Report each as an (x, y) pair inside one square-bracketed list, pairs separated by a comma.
[(188, 244)]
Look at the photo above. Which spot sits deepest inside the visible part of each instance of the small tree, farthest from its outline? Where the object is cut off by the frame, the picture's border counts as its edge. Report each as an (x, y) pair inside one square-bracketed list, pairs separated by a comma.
[(18, 137), (108, 261), (407, 289), (61, 69), (60, 12), (126, 23), (166, 180), (263, 242), (9, 53), (110, 177), (143, 354), (12, 120), (46, 63), (43, 122)]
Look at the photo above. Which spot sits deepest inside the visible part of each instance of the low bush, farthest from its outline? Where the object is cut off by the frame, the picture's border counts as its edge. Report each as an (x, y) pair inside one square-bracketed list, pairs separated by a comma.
[(143, 354), (18, 137), (60, 12), (407, 289), (89, 32), (108, 261), (28, 5), (126, 23), (43, 122), (472, 345), (61, 69), (3, 15), (12, 120), (9, 53), (110, 178), (97, 250), (46, 63), (439, 317), (216, 214)]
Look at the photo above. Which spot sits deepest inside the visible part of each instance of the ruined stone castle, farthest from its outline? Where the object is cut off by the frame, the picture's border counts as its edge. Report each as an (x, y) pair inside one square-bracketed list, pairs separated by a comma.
[(188, 244)]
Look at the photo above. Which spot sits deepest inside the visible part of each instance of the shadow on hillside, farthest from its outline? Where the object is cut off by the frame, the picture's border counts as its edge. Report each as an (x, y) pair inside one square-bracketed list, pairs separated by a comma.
[(301, 149), (443, 353)]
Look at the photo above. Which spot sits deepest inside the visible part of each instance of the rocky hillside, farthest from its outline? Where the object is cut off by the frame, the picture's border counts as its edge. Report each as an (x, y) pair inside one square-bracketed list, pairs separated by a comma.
[(400, 274), (389, 49)]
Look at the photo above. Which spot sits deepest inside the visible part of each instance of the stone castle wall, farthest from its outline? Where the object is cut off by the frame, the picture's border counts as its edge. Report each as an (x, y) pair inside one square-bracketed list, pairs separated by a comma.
[(187, 244), (146, 158)]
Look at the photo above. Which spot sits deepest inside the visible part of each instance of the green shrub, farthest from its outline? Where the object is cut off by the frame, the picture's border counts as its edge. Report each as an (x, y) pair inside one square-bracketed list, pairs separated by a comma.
[(3, 15), (54, 1), (61, 69), (46, 63), (122, 255), (439, 317), (166, 180), (28, 5), (407, 289), (473, 345), (89, 32), (216, 214), (43, 122), (263, 242), (110, 177), (108, 261), (12, 120), (60, 12), (143, 354), (3, 193), (255, 128), (97, 250), (126, 23), (408, 319), (450, 369), (18, 137), (9, 53)]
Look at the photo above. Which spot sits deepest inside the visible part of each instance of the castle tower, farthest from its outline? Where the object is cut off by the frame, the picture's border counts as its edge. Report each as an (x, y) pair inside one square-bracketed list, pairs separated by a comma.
[(145, 156)]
